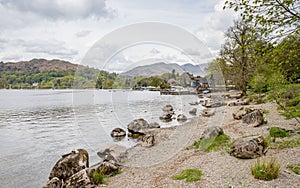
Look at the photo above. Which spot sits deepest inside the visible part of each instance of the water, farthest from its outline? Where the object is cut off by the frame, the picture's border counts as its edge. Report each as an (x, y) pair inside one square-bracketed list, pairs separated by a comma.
[(38, 126)]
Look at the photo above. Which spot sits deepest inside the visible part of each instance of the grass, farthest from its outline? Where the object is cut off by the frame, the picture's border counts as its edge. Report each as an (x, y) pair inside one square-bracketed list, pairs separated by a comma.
[(278, 132), (98, 177), (212, 144), (189, 175), (266, 111), (292, 143), (294, 167), (266, 170)]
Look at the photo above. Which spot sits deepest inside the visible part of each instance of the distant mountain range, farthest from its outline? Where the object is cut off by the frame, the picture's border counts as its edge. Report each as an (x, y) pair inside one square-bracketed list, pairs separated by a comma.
[(161, 68)]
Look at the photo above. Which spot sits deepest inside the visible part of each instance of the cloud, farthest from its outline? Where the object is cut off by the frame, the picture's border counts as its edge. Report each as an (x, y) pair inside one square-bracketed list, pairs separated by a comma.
[(61, 9), (83, 33)]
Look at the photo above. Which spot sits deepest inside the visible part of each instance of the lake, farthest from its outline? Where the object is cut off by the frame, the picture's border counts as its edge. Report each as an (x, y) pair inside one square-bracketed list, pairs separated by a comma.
[(38, 126)]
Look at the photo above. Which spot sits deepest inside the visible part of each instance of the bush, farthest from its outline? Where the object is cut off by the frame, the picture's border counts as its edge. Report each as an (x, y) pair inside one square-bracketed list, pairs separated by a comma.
[(211, 144), (189, 175), (98, 177), (278, 132), (266, 170), (295, 168)]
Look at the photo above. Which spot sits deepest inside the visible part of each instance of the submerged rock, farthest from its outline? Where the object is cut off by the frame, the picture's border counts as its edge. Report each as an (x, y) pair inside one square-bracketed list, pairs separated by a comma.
[(113, 152), (249, 147)]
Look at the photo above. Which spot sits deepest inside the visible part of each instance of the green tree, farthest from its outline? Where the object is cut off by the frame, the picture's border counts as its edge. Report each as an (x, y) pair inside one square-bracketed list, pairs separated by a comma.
[(281, 17)]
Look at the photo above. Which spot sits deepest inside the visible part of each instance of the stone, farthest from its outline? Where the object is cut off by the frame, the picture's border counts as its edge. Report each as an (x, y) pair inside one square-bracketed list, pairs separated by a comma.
[(211, 132), (148, 140), (166, 116), (140, 126), (82, 178), (118, 132), (181, 117), (194, 103), (168, 108), (108, 168), (54, 183), (243, 102), (113, 152), (207, 112), (255, 118), (70, 164), (193, 111), (154, 125), (241, 112), (249, 147)]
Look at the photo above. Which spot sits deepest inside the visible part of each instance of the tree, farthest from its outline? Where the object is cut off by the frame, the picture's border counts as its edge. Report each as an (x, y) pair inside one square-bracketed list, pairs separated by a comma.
[(281, 17), (238, 52)]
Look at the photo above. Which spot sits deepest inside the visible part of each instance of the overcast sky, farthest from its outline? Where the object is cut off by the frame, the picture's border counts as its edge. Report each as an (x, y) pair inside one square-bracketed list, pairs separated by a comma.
[(67, 29)]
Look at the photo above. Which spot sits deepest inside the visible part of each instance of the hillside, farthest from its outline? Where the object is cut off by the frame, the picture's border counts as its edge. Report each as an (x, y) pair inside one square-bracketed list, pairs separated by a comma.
[(161, 68)]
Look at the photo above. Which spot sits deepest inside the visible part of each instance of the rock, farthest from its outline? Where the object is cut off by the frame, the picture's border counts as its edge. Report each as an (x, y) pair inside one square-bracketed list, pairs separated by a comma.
[(235, 96), (241, 112), (181, 117), (118, 132), (154, 125), (194, 103), (207, 112), (193, 111), (249, 147), (206, 103), (166, 116), (256, 118), (70, 164), (168, 108), (212, 132), (82, 178), (243, 102), (108, 168), (232, 103), (140, 126), (113, 152), (54, 183), (148, 140)]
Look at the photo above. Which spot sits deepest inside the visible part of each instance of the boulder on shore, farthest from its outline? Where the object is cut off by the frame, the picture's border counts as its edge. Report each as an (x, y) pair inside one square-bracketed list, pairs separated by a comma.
[(211, 132), (140, 126), (241, 112), (249, 147), (181, 117), (148, 140), (255, 118)]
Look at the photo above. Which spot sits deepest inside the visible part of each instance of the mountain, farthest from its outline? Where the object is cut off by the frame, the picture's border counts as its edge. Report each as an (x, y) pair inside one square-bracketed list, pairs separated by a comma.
[(161, 68), (38, 65)]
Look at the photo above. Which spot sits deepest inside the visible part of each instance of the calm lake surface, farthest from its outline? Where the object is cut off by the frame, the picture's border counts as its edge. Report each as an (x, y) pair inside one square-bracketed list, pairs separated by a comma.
[(38, 126)]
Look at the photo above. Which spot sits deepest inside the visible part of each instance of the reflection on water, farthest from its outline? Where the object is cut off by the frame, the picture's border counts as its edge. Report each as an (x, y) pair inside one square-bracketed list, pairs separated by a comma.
[(38, 126)]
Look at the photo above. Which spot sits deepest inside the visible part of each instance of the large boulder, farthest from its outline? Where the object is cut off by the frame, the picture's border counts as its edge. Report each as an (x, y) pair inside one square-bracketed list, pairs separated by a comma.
[(82, 178), (211, 132), (181, 118), (255, 118), (249, 147), (140, 126), (118, 133), (54, 183), (148, 140), (70, 164), (193, 111), (113, 152)]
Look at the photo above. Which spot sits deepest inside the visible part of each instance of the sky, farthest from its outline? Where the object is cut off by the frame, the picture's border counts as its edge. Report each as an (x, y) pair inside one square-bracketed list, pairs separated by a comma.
[(68, 29)]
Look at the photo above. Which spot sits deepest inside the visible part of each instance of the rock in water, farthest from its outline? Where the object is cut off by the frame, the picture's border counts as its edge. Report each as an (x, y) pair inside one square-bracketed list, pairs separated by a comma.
[(118, 132), (166, 116), (249, 147), (256, 118), (154, 125), (138, 126), (207, 112), (193, 111), (212, 132), (168, 108), (148, 140), (181, 117)]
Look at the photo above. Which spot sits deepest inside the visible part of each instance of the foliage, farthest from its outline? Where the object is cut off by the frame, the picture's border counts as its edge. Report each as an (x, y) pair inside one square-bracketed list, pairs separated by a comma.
[(266, 170), (153, 81), (98, 177), (292, 143), (212, 144), (278, 132), (274, 16), (295, 168), (189, 175)]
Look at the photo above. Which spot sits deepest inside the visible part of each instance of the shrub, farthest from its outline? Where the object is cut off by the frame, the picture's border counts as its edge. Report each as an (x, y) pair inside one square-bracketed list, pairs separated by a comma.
[(295, 168), (266, 170), (189, 175), (98, 177), (278, 132), (211, 144)]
